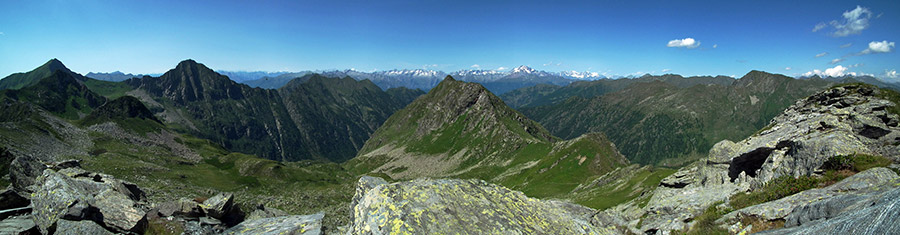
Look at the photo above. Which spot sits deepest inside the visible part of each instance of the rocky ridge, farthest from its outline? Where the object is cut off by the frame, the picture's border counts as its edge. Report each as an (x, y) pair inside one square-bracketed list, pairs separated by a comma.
[(844, 120), (426, 206)]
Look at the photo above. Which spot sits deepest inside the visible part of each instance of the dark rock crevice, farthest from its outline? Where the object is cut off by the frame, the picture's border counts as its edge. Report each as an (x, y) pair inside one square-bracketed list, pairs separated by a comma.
[(873, 132), (752, 161)]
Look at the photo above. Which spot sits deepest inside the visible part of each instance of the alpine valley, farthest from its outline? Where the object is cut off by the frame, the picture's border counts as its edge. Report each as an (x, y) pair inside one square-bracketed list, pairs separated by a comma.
[(523, 151)]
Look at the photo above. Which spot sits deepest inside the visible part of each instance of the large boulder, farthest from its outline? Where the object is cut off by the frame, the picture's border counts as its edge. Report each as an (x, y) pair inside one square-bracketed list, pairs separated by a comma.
[(295, 224), (817, 204), (23, 171), (182, 208), (75, 194), (877, 214), (68, 227), (217, 206), (426, 206)]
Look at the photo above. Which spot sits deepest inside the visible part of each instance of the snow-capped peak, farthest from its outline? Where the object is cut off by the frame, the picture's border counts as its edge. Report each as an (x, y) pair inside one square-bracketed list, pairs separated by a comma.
[(414, 73), (523, 69), (580, 75)]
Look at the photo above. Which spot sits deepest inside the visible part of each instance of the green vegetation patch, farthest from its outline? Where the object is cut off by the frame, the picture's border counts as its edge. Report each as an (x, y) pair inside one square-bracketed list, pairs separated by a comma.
[(836, 169), (706, 222), (111, 90)]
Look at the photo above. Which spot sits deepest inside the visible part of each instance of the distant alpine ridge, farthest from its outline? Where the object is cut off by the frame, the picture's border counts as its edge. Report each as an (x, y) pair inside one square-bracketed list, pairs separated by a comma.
[(494, 80)]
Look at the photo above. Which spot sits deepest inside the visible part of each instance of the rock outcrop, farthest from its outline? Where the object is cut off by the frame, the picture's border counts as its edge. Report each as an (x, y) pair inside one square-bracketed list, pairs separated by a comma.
[(74, 194), (426, 206), (816, 204), (844, 120), (875, 213), (296, 224)]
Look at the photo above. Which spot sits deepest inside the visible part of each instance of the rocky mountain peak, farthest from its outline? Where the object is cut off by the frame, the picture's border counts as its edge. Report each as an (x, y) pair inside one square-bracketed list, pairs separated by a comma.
[(54, 65), (190, 81), (523, 69)]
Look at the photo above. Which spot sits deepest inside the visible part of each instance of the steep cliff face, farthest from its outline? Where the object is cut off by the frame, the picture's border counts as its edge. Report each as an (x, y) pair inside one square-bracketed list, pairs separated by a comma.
[(841, 121), (312, 117)]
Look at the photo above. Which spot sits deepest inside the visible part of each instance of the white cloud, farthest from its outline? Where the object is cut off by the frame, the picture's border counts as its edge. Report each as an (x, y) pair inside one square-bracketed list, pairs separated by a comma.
[(821, 54), (666, 70), (878, 47), (835, 61), (819, 26), (715, 46), (1, 33), (475, 66), (847, 45), (502, 68), (855, 65), (836, 71), (687, 43), (787, 68), (891, 73), (854, 22)]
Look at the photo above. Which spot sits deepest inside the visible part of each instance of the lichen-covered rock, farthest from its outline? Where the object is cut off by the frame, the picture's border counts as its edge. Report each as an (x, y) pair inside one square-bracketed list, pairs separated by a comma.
[(68, 227), (182, 207), (364, 184), (846, 120), (295, 224), (53, 200), (876, 215), (427, 206), (75, 194), (119, 211), (804, 206), (217, 206)]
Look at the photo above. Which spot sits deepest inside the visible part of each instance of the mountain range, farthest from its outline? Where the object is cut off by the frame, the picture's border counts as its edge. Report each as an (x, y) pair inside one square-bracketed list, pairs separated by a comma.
[(496, 81), (642, 155)]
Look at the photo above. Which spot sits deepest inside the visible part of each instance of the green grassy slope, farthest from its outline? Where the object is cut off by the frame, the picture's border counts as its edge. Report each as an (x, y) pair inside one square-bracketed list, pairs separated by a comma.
[(462, 130), (661, 123)]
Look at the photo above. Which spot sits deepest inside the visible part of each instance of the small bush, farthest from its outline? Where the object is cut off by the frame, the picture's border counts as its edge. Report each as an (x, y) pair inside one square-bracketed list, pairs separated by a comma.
[(164, 227), (778, 188), (98, 151), (706, 222)]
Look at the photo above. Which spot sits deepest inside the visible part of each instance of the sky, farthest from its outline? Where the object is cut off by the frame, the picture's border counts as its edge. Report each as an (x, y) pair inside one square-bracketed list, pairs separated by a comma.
[(609, 37)]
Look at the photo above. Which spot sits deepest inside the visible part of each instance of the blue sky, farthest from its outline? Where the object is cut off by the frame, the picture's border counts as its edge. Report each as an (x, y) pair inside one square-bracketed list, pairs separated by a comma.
[(610, 37)]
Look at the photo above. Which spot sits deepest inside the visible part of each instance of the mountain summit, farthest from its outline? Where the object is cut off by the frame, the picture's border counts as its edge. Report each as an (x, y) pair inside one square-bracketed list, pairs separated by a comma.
[(460, 129), (21, 80)]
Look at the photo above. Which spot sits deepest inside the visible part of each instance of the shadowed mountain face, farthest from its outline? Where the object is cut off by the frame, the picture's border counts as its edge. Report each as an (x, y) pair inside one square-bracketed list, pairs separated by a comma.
[(62, 93), (312, 118), (655, 121)]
